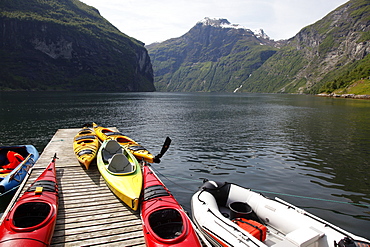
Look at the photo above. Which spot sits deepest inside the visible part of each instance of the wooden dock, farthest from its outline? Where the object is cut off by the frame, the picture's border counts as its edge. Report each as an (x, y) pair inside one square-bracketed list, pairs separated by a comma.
[(89, 213)]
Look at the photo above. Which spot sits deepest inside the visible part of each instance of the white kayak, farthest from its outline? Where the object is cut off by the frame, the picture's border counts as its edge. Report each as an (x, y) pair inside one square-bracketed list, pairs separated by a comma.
[(230, 215)]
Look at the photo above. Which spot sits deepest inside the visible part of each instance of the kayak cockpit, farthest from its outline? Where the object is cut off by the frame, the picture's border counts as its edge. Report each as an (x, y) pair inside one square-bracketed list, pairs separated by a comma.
[(166, 223), (115, 156), (31, 214), (111, 148)]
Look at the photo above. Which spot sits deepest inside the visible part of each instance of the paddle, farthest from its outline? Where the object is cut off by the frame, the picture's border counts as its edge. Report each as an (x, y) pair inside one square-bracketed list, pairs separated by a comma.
[(165, 147)]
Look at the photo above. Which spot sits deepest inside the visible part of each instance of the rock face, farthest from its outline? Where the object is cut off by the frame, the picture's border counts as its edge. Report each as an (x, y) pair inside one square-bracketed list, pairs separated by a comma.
[(318, 53), (218, 56), (214, 55), (67, 45)]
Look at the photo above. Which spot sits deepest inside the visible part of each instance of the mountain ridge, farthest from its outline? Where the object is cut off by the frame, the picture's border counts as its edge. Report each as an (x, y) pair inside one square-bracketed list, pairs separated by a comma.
[(190, 62), (323, 49), (320, 54), (224, 23)]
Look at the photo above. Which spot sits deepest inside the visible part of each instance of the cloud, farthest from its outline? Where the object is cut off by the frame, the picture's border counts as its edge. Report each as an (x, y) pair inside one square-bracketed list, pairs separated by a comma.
[(150, 21)]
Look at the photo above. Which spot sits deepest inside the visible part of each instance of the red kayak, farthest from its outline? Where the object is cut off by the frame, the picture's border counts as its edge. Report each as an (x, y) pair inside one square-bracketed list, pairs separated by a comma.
[(165, 222), (31, 221)]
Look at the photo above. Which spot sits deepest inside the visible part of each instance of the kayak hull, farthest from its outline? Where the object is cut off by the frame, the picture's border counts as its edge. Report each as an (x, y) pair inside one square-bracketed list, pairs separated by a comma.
[(31, 221), (165, 222), (135, 148), (126, 185), (85, 146)]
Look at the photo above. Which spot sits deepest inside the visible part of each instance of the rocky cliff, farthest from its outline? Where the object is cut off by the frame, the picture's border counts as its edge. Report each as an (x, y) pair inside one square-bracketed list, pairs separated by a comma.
[(319, 53), (218, 56), (67, 45)]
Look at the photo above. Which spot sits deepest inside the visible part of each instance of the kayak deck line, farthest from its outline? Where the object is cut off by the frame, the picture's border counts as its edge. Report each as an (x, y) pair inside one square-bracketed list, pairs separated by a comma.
[(89, 213)]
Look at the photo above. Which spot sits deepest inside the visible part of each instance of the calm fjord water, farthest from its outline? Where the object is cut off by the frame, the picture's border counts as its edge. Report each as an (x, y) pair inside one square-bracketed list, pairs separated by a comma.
[(283, 145)]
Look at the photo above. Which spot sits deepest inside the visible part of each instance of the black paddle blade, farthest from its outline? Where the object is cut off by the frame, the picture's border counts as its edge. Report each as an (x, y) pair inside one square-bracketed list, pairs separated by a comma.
[(164, 149), (166, 145)]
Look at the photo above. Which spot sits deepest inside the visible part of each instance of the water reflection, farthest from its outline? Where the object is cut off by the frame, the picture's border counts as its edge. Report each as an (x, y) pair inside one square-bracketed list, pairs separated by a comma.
[(289, 144)]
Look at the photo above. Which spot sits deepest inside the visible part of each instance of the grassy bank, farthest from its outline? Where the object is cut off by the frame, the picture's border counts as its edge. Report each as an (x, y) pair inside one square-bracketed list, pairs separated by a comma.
[(361, 87)]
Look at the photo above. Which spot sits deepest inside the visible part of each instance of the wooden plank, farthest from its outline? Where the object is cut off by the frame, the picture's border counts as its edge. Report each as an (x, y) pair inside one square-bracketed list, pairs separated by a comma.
[(78, 225), (87, 231), (84, 213), (88, 216), (89, 213), (92, 208), (133, 239)]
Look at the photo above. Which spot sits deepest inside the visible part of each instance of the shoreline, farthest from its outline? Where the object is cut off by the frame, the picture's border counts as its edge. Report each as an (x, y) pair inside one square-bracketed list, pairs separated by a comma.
[(347, 96)]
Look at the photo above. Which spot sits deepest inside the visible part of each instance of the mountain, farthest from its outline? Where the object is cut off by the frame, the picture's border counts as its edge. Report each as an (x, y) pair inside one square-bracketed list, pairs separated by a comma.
[(214, 55), (67, 45), (218, 56), (322, 53)]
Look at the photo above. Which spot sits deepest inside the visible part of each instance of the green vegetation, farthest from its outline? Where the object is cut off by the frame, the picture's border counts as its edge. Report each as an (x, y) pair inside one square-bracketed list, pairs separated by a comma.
[(278, 69), (66, 45), (323, 57), (71, 13), (361, 87), (327, 56), (360, 10), (207, 59), (353, 77)]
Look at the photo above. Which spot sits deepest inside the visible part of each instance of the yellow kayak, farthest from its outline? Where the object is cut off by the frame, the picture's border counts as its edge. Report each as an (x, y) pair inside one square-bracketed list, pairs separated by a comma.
[(85, 146), (121, 171), (135, 148)]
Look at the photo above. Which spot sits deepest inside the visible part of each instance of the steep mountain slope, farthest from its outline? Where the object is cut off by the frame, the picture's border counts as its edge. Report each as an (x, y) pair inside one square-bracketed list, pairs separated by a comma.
[(319, 53), (67, 45), (217, 56), (214, 55)]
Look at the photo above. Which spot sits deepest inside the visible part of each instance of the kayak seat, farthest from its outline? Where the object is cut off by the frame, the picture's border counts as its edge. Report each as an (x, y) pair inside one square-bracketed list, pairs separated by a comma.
[(111, 148), (120, 164)]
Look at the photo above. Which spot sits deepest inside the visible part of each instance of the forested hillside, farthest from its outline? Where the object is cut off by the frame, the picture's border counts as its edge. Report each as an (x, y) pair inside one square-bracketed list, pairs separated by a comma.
[(67, 45), (214, 55), (329, 54)]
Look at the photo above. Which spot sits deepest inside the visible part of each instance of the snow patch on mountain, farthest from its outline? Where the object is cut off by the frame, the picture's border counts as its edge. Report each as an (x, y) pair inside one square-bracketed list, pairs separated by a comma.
[(260, 33), (224, 23)]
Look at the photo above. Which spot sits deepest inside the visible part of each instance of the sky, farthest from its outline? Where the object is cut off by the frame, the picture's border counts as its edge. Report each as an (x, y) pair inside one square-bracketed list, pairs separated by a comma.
[(158, 20)]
